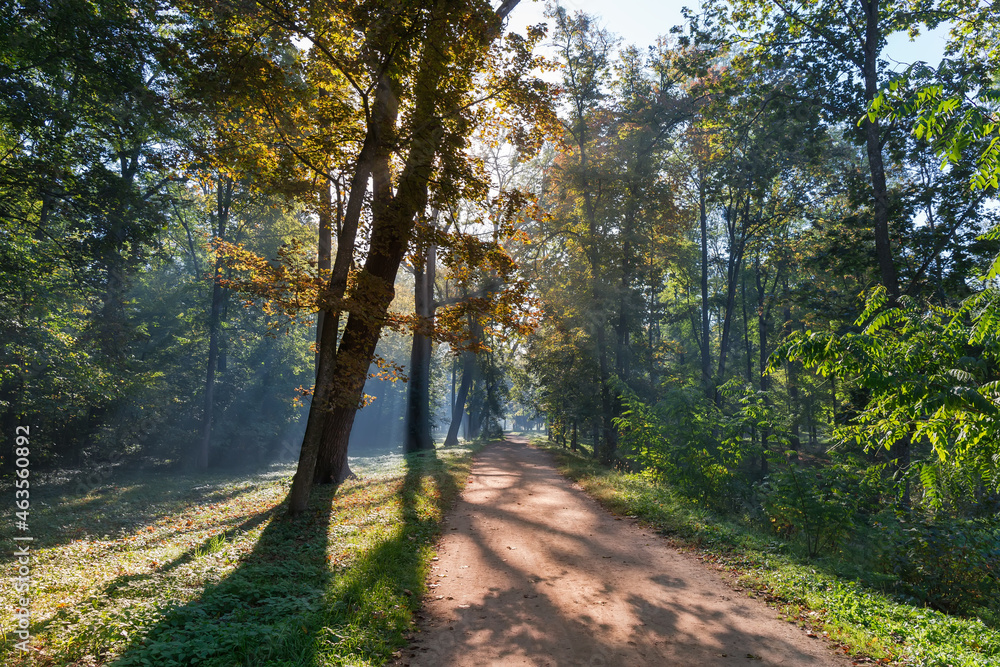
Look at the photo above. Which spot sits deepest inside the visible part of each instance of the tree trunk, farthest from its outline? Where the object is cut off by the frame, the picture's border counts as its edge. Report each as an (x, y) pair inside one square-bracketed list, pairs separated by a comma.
[(392, 222), (792, 370), (747, 345), (763, 315), (112, 326), (623, 356), (706, 350), (324, 249), (383, 118), (418, 409), (224, 199), (727, 321), (873, 144), (458, 406)]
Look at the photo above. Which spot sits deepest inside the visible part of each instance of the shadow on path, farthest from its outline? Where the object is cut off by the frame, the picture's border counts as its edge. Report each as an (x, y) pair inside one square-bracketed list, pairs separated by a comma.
[(534, 572)]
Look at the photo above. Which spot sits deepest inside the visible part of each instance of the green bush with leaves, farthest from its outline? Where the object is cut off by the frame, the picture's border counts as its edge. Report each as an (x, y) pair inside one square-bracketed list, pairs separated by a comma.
[(951, 565), (818, 505), (676, 439), (933, 378)]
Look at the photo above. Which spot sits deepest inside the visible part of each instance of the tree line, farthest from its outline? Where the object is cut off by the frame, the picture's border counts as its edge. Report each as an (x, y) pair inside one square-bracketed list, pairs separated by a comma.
[(767, 269), (206, 206), (708, 260)]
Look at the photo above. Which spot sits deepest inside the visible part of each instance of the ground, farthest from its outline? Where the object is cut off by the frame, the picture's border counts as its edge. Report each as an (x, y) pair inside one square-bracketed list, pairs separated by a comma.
[(531, 571)]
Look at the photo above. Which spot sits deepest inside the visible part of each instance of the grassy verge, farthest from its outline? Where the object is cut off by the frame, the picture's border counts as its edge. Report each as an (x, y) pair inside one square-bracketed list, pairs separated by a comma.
[(812, 593), (181, 570)]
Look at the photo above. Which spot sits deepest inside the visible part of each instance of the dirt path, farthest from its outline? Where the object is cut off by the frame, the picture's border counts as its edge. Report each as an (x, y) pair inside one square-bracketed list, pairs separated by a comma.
[(531, 571)]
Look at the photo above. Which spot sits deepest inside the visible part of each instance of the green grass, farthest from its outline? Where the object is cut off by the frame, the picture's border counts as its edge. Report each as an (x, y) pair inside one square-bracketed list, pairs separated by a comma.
[(813, 593), (206, 569)]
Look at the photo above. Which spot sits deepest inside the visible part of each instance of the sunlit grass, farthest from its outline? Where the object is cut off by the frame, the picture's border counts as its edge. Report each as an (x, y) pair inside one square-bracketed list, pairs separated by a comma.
[(860, 620), (179, 569)]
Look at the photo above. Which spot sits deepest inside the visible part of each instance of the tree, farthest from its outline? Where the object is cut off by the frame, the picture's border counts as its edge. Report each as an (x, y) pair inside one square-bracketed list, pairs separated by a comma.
[(87, 163), (953, 106), (430, 86), (822, 40)]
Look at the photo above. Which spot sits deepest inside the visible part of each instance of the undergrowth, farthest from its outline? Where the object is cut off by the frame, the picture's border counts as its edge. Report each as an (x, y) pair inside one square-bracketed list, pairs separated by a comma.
[(830, 596), (206, 569)]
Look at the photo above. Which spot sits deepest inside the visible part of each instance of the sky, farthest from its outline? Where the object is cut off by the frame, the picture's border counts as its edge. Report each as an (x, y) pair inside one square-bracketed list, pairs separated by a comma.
[(640, 22)]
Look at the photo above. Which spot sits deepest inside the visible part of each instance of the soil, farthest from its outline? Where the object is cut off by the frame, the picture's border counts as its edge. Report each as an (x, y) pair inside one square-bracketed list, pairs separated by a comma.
[(532, 571)]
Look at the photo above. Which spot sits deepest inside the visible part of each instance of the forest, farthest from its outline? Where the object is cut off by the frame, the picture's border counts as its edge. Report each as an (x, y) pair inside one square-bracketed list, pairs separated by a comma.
[(742, 283)]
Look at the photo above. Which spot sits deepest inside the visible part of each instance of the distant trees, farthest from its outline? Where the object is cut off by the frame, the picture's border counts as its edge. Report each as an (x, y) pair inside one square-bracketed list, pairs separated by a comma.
[(114, 179), (85, 178), (709, 201)]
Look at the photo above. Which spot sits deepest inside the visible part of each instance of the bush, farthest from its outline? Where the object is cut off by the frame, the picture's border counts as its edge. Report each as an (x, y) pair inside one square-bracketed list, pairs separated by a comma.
[(817, 504), (952, 565), (676, 440)]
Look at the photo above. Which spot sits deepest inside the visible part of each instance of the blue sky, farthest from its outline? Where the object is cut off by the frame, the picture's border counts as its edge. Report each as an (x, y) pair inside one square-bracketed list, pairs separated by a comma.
[(641, 21)]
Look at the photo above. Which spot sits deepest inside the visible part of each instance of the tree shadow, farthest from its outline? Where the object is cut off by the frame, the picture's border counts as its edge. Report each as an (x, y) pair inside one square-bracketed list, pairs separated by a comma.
[(267, 611), (286, 604), (307, 593), (127, 503), (372, 605), (546, 598)]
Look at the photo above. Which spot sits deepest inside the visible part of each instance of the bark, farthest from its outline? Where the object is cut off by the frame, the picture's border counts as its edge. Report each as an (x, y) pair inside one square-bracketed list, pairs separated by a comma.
[(706, 352), (737, 229), (224, 198), (418, 410), (873, 145), (393, 222), (322, 456), (458, 405), (383, 116), (883, 247), (324, 249)]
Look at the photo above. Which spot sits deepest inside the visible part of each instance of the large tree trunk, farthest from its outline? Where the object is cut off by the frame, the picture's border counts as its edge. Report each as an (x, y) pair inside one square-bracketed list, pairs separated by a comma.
[(324, 262), (393, 219), (392, 224), (383, 118)]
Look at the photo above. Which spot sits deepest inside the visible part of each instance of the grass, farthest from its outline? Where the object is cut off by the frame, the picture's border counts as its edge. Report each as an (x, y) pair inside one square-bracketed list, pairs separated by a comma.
[(816, 594), (206, 569)]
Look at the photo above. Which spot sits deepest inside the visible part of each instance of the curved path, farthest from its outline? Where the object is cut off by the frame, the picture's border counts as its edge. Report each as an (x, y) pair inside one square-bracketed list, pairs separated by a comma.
[(531, 571)]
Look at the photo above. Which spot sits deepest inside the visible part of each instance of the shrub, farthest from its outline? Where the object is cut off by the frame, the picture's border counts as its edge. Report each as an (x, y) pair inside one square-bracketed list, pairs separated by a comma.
[(677, 439), (952, 565), (817, 504)]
